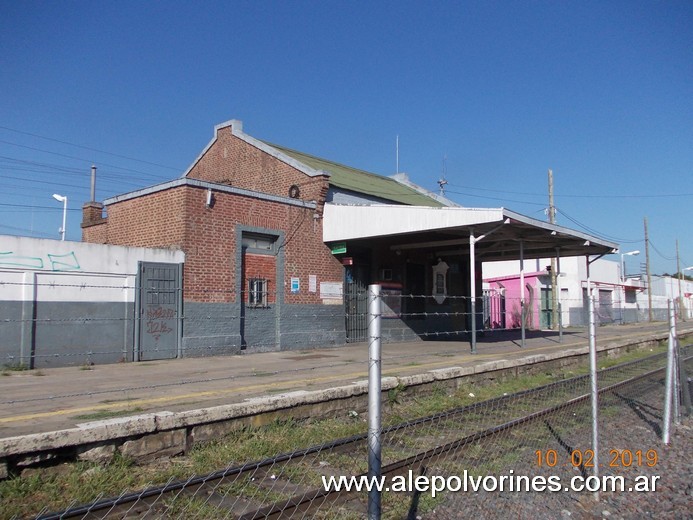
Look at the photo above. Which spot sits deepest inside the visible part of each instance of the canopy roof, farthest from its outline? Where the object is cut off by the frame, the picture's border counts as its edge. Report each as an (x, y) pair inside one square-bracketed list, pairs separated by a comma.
[(498, 232)]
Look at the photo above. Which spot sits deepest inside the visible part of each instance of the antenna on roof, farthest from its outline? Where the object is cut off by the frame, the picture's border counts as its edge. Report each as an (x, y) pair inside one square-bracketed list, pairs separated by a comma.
[(397, 154), (442, 182)]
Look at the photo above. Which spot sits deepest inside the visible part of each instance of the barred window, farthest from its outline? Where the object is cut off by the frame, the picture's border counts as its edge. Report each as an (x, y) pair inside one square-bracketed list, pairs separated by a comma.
[(257, 292)]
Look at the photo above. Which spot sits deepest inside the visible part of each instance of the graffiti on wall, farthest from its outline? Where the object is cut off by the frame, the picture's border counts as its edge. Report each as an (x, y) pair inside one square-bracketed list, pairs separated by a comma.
[(66, 262), (158, 321)]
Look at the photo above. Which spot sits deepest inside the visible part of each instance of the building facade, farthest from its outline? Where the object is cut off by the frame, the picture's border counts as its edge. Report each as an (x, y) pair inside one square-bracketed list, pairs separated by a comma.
[(617, 299), (280, 247)]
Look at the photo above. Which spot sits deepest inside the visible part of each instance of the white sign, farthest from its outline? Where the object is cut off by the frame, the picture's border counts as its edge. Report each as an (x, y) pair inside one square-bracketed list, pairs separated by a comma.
[(331, 290)]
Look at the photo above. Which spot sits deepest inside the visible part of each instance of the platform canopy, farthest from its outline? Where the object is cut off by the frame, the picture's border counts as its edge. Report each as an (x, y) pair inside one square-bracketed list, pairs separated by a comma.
[(498, 232)]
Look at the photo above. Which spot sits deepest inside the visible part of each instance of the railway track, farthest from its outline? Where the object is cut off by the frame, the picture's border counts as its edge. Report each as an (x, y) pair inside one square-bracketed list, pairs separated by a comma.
[(290, 484)]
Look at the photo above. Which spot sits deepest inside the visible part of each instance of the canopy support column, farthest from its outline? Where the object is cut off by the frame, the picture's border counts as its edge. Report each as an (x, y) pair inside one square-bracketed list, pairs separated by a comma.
[(472, 286), (522, 292), (558, 294)]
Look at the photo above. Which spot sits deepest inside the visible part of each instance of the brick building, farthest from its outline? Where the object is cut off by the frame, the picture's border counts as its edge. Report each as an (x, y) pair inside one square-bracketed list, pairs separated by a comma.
[(279, 246)]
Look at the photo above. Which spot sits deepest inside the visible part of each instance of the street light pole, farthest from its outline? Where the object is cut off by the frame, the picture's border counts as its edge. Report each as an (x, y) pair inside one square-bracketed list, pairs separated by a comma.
[(63, 199), (623, 263)]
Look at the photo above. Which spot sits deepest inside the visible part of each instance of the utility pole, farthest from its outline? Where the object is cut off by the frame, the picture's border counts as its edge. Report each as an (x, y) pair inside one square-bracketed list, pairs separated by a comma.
[(682, 308), (649, 276), (552, 220)]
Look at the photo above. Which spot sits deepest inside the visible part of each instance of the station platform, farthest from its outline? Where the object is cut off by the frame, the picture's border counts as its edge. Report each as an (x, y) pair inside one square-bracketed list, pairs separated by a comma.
[(51, 400)]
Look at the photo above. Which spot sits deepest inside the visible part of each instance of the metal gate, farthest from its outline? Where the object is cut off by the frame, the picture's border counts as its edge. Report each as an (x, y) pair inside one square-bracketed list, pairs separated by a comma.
[(158, 307), (605, 310), (546, 318), (356, 303)]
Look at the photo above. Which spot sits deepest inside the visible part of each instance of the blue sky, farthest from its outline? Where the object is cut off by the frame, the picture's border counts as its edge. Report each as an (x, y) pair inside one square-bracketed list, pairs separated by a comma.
[(492, 93)]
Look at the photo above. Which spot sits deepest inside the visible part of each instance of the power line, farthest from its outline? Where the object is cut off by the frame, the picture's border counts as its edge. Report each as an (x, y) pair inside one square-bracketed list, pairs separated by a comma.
[(28, 206), (23, 230), (88, 148), (155, 176), (660, 253), (497, 198), (601, 196), (595, 232)]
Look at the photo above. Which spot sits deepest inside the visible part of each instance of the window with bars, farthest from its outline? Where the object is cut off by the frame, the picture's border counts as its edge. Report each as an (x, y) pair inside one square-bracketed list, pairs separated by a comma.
[(257, 292)]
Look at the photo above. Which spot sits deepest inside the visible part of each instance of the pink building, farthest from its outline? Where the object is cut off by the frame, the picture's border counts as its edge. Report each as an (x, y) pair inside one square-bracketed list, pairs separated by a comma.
[(504, 297)]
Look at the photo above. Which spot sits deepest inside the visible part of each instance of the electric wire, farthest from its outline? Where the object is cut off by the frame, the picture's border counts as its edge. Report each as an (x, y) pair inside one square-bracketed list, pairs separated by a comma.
[(89, 149)]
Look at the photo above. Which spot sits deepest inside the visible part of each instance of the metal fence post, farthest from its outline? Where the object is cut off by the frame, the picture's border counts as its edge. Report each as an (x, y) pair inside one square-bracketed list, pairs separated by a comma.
[(374, 399), (669, 385), (593, 384), (677, 388)]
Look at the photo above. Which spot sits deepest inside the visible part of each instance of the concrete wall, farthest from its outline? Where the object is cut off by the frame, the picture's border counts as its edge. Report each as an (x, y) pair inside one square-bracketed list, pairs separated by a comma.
[(68, 303)]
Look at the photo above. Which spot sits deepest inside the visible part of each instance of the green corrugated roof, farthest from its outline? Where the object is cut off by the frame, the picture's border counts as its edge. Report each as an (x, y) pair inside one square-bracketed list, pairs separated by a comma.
[(361, 181)]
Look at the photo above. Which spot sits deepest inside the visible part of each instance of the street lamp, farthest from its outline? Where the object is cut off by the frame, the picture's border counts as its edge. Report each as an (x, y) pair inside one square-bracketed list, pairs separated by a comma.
[(623, 264), (63, 199)]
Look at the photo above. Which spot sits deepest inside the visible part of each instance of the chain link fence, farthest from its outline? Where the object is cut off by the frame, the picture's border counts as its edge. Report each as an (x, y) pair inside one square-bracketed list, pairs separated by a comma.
[(485, 446), (120, 322)]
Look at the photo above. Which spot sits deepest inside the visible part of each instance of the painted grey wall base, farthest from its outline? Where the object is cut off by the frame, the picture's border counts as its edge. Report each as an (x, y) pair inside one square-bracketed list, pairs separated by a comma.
[(211, 329), (312, 326), (204, 346), (62, 334), (11, 326)]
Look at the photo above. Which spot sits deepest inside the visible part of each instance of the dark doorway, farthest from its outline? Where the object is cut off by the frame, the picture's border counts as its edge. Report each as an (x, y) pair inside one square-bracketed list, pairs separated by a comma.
[(415, 305)]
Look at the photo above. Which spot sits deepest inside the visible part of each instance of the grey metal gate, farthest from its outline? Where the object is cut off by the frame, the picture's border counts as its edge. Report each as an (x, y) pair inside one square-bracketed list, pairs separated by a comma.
[(605, 310), (158, 308), (356, 303)]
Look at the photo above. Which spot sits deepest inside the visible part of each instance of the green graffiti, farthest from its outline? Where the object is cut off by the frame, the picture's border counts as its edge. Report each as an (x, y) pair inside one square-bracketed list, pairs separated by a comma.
[(8, 258), (66, 262)]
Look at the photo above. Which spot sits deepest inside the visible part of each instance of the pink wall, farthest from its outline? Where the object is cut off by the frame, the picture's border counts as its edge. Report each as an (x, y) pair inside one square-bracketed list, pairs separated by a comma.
[(512, 300)]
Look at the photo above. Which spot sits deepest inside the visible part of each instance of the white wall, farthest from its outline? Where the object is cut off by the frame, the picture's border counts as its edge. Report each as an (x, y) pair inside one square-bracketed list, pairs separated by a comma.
[(605, 274), (55, 270)]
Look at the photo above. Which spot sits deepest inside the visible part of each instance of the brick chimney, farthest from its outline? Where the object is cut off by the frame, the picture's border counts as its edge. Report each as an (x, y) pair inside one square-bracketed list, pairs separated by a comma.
[(92, 214)]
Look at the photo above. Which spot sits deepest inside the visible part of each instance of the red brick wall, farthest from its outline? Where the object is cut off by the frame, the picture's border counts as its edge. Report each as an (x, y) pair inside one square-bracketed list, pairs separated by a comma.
[(260, 266), (232, 161), (179, 218)]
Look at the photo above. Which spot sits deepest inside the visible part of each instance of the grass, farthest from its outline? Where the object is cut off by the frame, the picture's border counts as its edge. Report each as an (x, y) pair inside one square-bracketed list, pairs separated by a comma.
[(81, 482)]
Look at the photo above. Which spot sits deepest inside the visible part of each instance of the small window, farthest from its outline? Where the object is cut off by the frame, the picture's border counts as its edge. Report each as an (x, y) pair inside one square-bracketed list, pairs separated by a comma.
[(257, 292), (260, 242)]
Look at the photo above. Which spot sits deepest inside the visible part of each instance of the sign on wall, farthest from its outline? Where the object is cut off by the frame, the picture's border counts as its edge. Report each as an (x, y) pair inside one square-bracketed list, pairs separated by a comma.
[(331, 290)]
